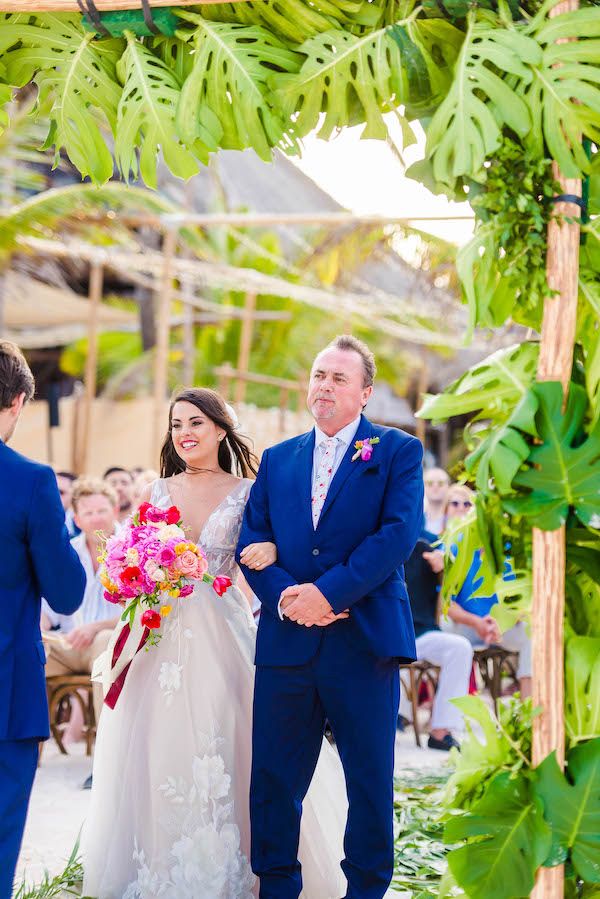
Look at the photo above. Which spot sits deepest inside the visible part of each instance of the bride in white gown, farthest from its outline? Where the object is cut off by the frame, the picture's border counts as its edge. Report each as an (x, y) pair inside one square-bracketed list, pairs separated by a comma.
[(169, 812)]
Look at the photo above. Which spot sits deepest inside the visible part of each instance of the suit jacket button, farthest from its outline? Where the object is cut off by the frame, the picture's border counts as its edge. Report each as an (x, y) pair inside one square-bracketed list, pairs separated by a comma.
[(315, 552)]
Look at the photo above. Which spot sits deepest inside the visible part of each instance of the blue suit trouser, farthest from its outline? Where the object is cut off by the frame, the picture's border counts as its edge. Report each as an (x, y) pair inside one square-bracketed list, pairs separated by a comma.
[(18, 763), (358, 694)]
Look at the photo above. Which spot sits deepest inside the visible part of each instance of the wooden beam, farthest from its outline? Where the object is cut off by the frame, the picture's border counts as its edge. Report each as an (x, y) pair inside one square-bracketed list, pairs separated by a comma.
[(164, 296), (549, 550), (263, 219), (189, 334), (91, 368), (33, 6), (246, 334)]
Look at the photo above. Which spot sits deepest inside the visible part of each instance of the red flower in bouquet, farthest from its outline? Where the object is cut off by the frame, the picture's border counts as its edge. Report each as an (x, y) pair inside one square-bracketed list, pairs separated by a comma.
[(142, 512), (131, 574), (150, 619), (173, 515), (221, 584)]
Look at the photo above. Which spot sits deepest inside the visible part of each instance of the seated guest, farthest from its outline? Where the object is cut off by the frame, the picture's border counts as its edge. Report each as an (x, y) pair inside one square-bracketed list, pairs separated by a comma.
[(96, 508), (436, 483), (121, 482), (451, 652), (470, 616), (64, 482)]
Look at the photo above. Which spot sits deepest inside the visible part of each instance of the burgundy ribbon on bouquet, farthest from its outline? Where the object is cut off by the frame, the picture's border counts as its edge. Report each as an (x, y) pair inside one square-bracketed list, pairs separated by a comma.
[(115, 690)]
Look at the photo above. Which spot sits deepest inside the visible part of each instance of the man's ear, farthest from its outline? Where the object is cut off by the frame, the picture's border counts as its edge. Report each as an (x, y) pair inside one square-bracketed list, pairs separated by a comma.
[(367, 391), (17, 404)]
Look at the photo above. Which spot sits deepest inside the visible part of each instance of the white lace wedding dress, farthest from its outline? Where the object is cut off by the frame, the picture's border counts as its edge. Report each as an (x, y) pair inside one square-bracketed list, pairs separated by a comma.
[(169, 807)]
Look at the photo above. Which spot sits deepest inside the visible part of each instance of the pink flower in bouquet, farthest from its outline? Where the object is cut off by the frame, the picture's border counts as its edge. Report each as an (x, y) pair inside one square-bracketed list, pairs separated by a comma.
[(155, 514), (150, 619), (221, 584), (186, 590), (166, 556), (187, 563), (153, 547), (112, 597)]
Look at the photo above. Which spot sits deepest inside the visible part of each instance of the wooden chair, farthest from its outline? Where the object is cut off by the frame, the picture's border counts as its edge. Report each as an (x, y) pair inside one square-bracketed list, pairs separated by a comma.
[(71, 687), (418, 673), (493, 662)]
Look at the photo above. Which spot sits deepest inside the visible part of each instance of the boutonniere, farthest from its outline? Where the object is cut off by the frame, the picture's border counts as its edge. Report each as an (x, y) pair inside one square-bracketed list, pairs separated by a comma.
[(364, 449)]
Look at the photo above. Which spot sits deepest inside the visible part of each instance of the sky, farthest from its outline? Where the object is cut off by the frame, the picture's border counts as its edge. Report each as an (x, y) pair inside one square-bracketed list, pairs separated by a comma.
[(366, 177)]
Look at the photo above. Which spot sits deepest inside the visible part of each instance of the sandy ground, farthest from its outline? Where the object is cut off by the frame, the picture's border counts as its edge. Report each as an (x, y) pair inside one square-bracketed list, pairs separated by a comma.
[(59, 805)]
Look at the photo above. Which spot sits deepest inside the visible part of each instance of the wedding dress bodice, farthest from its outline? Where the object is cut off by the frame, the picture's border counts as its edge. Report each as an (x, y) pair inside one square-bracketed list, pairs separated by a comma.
[(221, 529)]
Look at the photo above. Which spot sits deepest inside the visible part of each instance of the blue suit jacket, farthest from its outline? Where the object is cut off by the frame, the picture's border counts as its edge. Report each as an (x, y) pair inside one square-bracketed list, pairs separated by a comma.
[(36, 559), (369, 524)]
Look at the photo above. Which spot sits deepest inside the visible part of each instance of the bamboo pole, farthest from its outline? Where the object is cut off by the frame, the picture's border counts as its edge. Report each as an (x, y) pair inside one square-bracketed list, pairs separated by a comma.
[(189, 348), (34, 6), (246, 334), (91, 366), (161, 357), (549, 550)]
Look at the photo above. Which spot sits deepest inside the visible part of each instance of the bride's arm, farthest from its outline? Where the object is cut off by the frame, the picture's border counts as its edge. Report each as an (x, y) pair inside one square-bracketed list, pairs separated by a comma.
[(259, 555)]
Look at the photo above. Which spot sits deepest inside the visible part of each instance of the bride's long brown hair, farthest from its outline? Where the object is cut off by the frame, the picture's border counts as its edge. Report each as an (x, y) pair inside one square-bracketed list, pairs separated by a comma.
[(235, 454)]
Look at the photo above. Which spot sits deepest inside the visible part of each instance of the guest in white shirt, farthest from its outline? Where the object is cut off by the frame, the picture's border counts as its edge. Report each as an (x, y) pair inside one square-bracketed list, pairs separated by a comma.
[(96, 509), (436, 482), (121, 481)]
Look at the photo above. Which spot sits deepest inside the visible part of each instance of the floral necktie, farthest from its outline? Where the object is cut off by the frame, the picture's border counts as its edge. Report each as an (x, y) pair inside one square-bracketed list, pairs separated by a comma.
[(324, 476)]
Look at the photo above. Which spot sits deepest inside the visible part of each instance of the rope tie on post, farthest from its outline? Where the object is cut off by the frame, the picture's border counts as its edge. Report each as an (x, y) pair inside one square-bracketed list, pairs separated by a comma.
[(88, 8), (150, 24)]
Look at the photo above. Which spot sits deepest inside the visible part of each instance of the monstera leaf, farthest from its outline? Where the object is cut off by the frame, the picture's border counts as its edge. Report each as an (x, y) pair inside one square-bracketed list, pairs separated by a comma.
[(564, 470), (294, 21), (467, 126), (146, 117), (80, 73), (564, 96), (582, 688), (354, 79), (506, 838), (226, 93), (572, 808)]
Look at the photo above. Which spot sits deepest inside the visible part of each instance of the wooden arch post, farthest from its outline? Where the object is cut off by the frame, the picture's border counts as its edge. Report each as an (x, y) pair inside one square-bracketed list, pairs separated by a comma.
[(549, 547), (163, 331)]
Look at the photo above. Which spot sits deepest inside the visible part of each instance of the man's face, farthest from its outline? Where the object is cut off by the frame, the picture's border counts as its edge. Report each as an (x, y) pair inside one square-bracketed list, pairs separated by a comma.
[(65, 488), (95, 513), (122, 483), (336, 392), (436, 485)]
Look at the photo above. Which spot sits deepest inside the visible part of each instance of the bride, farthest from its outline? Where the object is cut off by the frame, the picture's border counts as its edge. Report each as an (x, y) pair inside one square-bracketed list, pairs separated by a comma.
[(169, 812)]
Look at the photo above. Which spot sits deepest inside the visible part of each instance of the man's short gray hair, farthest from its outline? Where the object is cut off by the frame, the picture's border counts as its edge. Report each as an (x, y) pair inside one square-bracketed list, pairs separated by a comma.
[(348, 342)]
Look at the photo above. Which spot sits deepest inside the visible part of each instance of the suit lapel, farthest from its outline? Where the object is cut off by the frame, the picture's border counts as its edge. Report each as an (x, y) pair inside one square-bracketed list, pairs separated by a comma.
[(304, 464), (347, 468)]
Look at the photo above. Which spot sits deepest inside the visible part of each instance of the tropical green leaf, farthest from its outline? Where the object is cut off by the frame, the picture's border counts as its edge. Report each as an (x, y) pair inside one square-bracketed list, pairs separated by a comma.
[(583, 603), (477, 760), (294, 21), (463, 541), (79, 73), (572, 808), (466, 127), (506, 838), (514, 599), (563, 470), (354, 79), (582, 688), (146, 116), (564, 95), (490, 389), (224, 100)]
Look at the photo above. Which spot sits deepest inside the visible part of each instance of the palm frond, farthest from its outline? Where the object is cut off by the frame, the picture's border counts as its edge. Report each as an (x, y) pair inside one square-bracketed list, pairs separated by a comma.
[(146, 116)]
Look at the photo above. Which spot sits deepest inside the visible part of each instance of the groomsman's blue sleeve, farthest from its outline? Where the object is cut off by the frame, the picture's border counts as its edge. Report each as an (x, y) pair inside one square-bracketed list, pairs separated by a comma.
[(380, 554), (58, 571), (269, 583)]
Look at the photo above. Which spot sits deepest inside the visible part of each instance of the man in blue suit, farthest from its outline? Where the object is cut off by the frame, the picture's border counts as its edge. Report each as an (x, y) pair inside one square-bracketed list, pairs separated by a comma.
[(37, 559), (335, 621)]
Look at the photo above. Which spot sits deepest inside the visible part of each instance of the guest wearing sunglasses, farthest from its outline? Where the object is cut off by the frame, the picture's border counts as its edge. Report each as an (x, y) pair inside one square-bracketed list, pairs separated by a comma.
[(470, 616)]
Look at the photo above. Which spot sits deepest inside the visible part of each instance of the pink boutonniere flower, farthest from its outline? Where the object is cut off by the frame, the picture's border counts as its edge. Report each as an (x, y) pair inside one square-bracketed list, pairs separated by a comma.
[(364, 449)]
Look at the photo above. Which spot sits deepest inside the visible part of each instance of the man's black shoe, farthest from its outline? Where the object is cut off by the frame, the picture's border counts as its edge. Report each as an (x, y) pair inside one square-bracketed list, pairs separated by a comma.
[(445, 744)]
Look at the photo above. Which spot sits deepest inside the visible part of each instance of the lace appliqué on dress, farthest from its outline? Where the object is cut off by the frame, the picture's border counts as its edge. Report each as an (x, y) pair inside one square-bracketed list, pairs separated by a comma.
[(205, 860)]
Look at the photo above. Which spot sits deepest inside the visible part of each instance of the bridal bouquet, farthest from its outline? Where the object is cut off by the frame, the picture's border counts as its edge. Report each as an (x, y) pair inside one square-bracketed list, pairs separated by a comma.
[(150, 563), (145, 567)]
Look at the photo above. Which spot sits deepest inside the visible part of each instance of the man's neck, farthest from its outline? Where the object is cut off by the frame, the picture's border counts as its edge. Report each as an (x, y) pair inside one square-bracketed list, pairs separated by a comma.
[(331, 430), (435, 509)]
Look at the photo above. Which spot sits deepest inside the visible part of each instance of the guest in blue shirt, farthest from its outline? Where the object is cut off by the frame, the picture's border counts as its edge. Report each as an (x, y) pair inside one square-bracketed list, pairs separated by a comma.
[(470, 616)]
